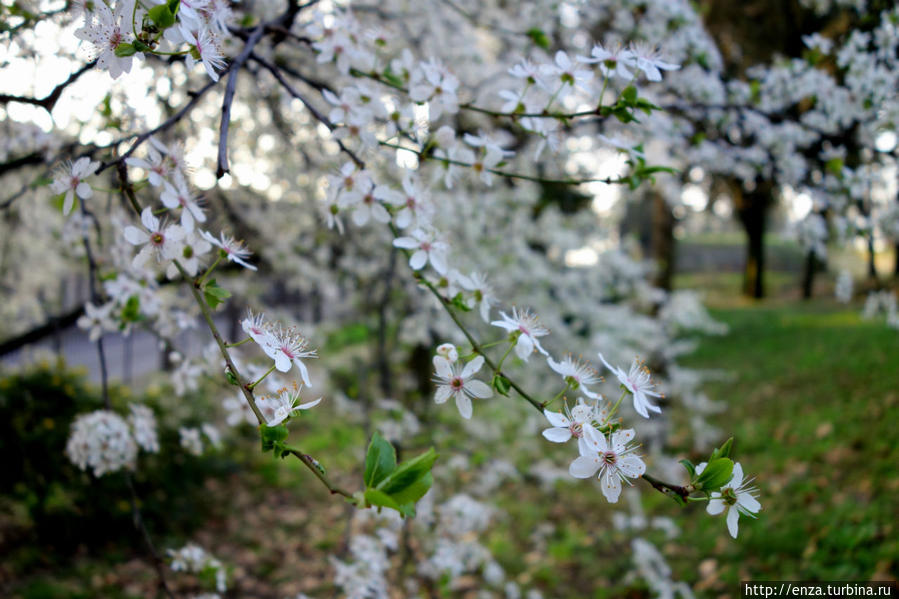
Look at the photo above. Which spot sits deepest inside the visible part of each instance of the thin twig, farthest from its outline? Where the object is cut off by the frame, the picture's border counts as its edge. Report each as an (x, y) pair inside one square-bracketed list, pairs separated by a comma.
[(195, 98), (234, 69), (50, 100)]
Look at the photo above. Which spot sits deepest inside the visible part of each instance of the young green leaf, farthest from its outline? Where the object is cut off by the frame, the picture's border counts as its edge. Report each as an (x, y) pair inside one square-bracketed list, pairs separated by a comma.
[(380, 460), (408, 473), (718, 472)]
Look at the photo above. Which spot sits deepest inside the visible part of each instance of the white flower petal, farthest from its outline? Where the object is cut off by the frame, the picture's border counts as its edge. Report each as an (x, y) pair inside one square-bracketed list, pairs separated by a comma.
[(611, 486), (418, 260), (557, 419), (557, 435), (472, 367), (733, 515), (716, 506), (443, 393), (479, 389), (584, 466), (631, 466), (443, 368), (464, 405)]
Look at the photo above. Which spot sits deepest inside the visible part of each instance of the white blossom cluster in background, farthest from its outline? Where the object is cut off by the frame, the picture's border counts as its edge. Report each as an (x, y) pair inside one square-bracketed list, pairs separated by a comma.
[(193, 559), (191, 438), (436, 167), (200, 26), (104, 442), (882, 302)]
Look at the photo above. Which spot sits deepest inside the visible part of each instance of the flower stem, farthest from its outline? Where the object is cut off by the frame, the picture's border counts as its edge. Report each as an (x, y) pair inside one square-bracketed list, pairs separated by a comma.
[(503, 359), (558, 395), (615, 407), (247, 389), (262, 378), (209, 270), (239, 343)]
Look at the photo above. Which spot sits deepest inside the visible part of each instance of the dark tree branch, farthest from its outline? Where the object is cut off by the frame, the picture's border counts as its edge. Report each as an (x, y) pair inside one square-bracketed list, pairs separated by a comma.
[(53, 324), (195, 98), (222, 166), (276, 73), (50, 100)]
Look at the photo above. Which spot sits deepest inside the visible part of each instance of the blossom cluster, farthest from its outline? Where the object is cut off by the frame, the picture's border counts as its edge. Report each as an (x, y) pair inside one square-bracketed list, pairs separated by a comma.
[(194, 559), (104, 442), (166, 28)]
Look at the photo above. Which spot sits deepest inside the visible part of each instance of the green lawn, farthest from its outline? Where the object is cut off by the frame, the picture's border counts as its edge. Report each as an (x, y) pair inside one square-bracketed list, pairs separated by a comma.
[(814, 407)]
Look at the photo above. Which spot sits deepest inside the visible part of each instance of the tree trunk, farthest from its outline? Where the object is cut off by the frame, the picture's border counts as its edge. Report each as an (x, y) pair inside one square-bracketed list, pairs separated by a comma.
[(808, 275), (662, 242), (896, 261), (872, 268), (752, 210)]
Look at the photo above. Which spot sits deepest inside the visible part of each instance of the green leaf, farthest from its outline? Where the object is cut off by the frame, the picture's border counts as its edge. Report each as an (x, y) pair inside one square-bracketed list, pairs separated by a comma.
[(230, 377), (131, 309), (629, 96), (408, 473), (174, 5), (162, 16), (273, 437), (689, 466), (214, 294), (415, 491), (459, 302), (718, 472), (392, 78), (380, 460), (538, 37), (380, 498), (123, 50), (501, 384), (724, 450)]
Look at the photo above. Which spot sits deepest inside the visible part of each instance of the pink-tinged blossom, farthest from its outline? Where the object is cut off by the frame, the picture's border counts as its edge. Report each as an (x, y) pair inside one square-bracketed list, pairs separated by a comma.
[(97, 320), (206, 49), (563, 71), (458, 382), (276, 409), (648, 59), (256, 327), (638, 382), (157, 167), (612, 458), (481, 291), (438, 88), (159, 241), (174, 197), (572, 423), (288, 348), (107, 30), (526, 70), (193, 247), (69, 180), (528, 327), (235, 250), (425, 247), (577, 375), (413, 203), (612, 63), (370, 208)]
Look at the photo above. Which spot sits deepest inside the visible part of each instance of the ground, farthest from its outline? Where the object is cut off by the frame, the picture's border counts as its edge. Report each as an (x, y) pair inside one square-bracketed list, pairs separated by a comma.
[(813, 401)]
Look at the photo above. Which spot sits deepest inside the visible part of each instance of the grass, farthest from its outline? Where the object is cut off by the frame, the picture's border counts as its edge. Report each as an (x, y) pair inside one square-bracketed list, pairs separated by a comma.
[(814, 406)]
